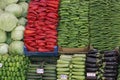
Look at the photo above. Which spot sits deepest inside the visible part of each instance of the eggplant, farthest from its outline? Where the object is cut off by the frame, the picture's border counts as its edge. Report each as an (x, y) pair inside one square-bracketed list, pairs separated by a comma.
[(92, 69), (91, 65), (110, 75), (110, 59), (111, 63), (110, 53), (92, 60), (110, 67), (110, 71)]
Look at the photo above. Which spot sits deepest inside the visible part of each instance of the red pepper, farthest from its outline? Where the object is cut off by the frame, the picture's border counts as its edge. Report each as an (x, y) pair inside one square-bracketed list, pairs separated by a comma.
[(30, 48), (53, 5), (51, 40), (52, 26), (51, 9), (51, 36), (53, 2), (43, 50), (52, 32), (29, 32), (52, 20), (41, 9), (53, 15)]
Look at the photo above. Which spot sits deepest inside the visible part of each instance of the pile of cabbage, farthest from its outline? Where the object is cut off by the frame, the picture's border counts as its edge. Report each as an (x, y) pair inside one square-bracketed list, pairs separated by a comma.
[(12, 22)]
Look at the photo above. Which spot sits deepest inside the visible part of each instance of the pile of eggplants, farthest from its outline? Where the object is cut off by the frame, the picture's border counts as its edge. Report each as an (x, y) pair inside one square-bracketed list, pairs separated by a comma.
[(110, 65), (104, 24), (73, 24), (93, 65)]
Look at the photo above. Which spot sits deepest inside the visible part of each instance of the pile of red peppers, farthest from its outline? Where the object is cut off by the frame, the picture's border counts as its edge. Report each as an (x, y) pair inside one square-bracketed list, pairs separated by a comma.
[(41, 29)]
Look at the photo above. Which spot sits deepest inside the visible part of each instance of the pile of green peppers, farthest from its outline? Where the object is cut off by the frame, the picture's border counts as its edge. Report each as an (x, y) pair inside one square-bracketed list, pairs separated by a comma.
[(73, 25), (13, 67), (104, 24)]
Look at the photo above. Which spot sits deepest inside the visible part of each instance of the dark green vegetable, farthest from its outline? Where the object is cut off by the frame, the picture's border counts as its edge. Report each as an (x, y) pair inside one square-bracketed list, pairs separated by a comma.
[(73, 25)]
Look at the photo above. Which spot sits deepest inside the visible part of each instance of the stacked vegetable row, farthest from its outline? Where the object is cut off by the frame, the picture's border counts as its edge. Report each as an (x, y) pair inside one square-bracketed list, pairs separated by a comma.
[(110, 65), (12, 22), (78, 70), (13, 67), (73, 25), (41, 34), (104, 24), (64, 67), (71, 67), (93, 65), (32, 72), (42, 71)]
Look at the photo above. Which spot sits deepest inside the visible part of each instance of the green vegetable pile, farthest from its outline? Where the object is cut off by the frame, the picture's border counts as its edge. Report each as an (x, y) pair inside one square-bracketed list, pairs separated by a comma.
[(13, 67), (48, 73), (12, 22), (73, 25), (64, 67), (78, 63), (32, 74), (104, 24)]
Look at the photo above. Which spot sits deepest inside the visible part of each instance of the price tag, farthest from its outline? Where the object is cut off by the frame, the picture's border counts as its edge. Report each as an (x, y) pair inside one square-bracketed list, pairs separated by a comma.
[(64, 77), (1, 65), (40, 71), (91, 74)]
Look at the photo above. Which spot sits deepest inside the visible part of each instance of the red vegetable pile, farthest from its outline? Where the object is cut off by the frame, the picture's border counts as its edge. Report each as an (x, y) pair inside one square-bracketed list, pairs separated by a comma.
[(40, 33)]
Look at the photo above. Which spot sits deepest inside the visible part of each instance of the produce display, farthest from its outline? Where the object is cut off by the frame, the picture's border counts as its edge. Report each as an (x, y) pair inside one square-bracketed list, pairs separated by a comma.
[(78, 69), (13, 67), (73, 28), (104, 24), (41, 71), (12, 26), (41, 30), (64, 67)]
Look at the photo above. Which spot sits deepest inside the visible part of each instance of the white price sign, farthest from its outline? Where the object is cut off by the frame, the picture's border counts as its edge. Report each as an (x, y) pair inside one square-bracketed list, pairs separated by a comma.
[(91, 74), (65, 77), (1, 65), (40, 71)]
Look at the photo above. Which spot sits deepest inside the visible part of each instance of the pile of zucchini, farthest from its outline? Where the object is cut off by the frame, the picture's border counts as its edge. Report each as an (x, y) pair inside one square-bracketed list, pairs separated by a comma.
[(13, 67), (64, 67), (78, 70), (47, 71), (32, 72), (104, 24), (73, 24)]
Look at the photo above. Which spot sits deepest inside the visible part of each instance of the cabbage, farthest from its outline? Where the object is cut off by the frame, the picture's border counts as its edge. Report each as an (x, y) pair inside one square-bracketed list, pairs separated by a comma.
[(2, 4), (17, 33), (16, 47), (1, 11), (24, 6), (8, 22), (19, 28), (22, 21), (2, 36), (22, 0), (3, 48), (14, 9), (11, 1)]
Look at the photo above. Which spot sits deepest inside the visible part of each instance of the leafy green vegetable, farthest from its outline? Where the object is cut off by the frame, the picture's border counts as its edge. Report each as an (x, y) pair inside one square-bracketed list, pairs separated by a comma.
[(16, 47), (14, 9), (3, 36), (22, 21), (24, 6), (17, 33), (3, 48), (8, 22)]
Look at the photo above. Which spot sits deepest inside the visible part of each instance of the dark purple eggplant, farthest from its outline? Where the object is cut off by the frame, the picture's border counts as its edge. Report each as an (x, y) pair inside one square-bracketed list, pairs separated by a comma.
[(91, 69)]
